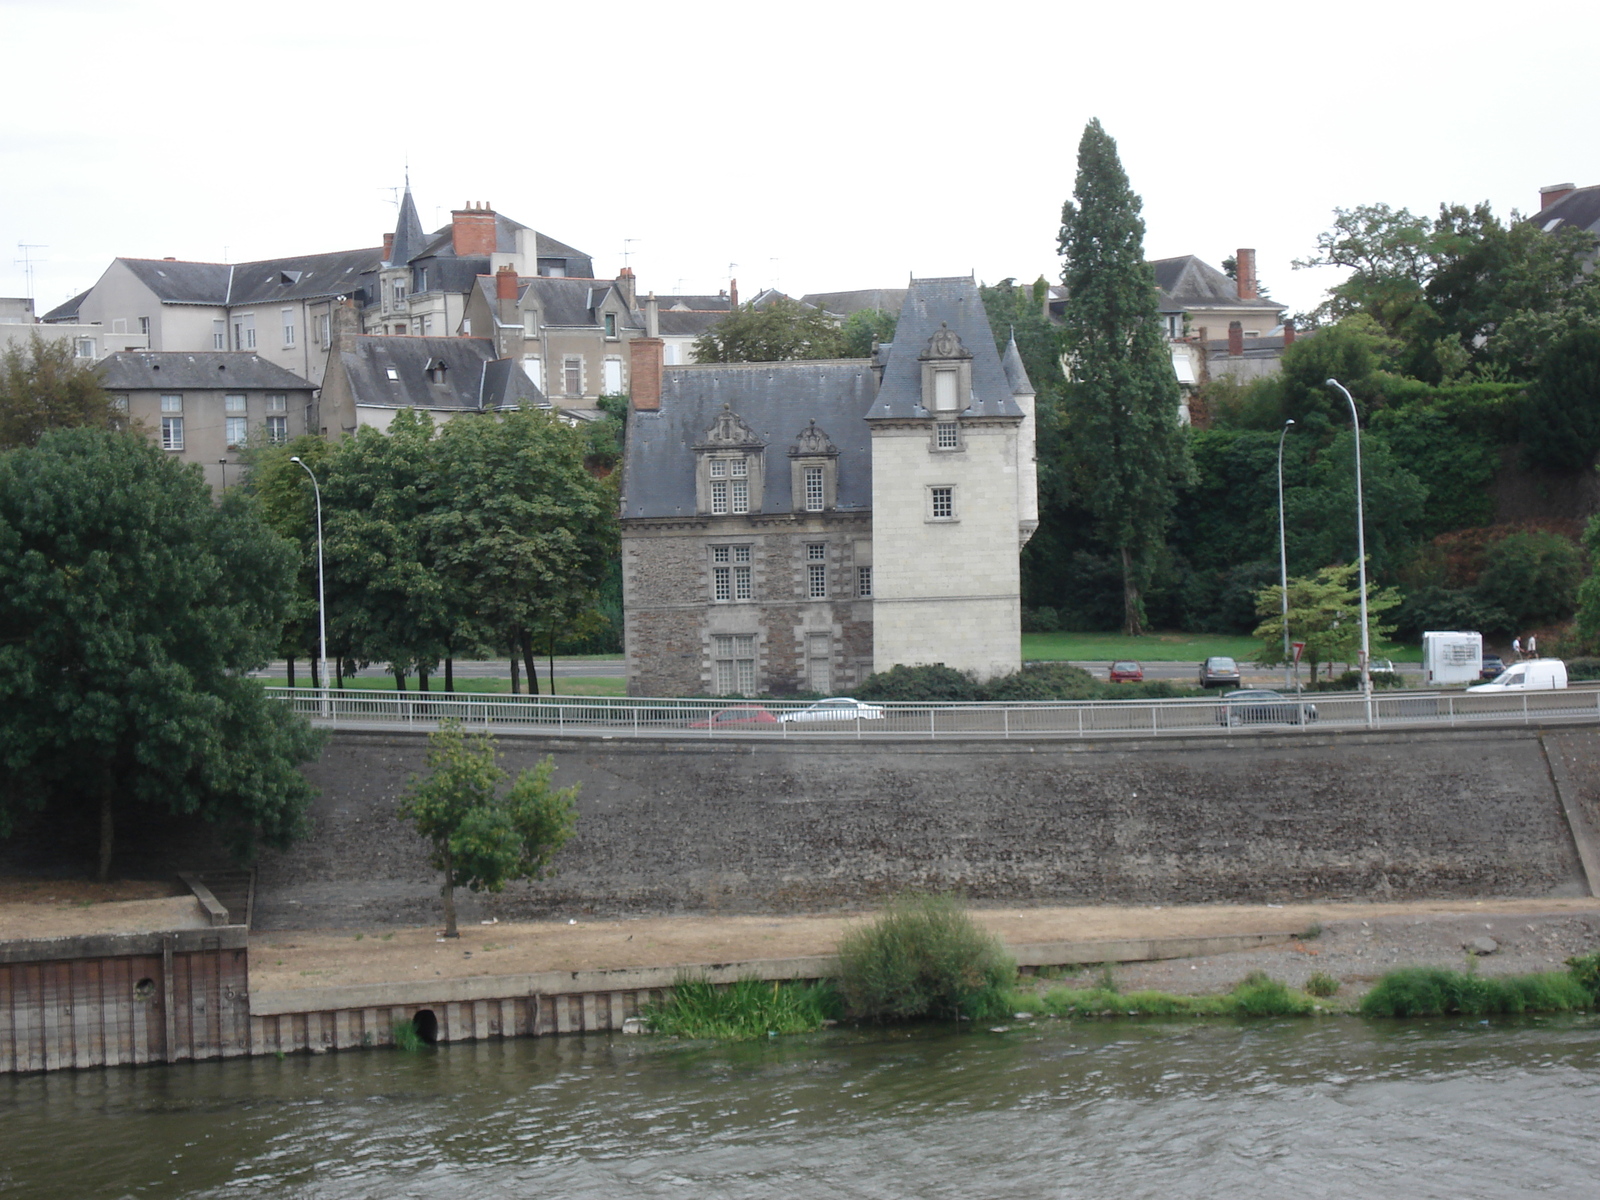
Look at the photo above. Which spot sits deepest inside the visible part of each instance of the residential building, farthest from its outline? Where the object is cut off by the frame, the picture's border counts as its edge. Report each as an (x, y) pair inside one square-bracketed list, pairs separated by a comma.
[(1568, 206), (796, 526), (205, 407)]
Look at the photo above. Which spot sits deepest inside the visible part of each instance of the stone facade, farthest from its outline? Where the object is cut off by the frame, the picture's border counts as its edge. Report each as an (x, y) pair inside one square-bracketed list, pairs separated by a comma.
[(793, 527)]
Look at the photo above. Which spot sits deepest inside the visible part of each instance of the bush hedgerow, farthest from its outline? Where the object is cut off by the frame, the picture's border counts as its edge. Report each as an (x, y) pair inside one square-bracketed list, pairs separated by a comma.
[(924, 957)]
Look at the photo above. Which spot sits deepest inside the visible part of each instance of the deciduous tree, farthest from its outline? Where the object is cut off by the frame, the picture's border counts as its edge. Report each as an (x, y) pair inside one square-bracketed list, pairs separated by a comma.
[(1127, 454), (483, 838), (780, 329), (132, 610), (1325, 614), (44, 386)]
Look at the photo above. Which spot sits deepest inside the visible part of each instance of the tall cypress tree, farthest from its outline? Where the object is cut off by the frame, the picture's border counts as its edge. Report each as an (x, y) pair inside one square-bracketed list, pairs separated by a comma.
[(1126, 452)]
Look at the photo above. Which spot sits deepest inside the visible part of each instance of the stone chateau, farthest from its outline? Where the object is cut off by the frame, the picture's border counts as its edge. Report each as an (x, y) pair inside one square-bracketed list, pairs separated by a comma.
[(796, 526)]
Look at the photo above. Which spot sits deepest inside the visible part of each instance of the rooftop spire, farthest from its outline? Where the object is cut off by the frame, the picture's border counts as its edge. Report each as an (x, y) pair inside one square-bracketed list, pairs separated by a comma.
[(407, 230)]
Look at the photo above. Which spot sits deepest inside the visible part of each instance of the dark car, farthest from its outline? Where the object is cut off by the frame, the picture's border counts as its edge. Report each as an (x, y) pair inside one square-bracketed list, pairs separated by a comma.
[(1220, 671), (744, 716), (1126, 672), (1492, 666), (1259, 706)]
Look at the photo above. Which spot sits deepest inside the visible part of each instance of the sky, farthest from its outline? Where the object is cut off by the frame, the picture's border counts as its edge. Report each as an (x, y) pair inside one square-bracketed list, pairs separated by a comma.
[(816, 147)]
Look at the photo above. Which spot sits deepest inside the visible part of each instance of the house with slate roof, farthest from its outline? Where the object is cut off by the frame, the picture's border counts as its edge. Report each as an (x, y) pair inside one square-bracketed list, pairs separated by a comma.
[(795, 526), (206, 406)]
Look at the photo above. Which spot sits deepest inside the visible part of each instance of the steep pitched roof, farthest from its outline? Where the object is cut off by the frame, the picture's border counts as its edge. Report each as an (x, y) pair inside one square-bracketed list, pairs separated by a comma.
[(1577, 209), (182, 282), (302, 277), (394, 372), (220, 370), (66, 313), (777, 401), (1190, 282), (842, 304), (408, 236), (931, 304), (1016, 372)]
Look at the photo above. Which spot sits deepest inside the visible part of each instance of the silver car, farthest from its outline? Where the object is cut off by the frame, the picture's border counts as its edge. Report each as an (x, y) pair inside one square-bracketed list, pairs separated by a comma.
[(836, 708)]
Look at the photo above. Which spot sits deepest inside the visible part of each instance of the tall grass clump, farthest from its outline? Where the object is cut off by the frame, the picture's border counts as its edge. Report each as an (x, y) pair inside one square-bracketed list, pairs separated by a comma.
[(1255, 995), (924, 957), (750, 1008), (1439, 992), (406, 1037)]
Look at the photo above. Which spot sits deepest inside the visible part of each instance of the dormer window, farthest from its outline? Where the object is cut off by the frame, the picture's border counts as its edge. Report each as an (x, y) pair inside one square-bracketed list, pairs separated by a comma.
[(946, 374), (728, 468), (813, 471), (419, 279), (945, 382), (436, 371)]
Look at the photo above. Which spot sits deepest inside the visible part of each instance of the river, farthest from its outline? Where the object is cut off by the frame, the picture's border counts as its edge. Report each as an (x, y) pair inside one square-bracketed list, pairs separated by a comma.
[(1332, 1107)]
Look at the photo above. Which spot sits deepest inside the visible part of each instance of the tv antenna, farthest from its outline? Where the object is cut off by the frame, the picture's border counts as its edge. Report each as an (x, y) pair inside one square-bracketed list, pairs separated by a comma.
[(626, 242), (27, 260)]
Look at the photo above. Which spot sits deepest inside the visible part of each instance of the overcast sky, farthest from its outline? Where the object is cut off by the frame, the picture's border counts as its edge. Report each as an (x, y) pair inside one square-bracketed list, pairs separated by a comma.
[(818, 146)]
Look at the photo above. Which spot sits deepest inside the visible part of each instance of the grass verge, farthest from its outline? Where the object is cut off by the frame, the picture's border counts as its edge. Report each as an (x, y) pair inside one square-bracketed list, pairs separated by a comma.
[(576, 685), (740, 1012), (1255, 995), (1440, 992), (1162, 647)]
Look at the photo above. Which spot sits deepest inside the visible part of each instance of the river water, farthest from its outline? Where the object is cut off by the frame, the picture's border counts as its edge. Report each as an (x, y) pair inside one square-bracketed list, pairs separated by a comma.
[(1335, 1107)]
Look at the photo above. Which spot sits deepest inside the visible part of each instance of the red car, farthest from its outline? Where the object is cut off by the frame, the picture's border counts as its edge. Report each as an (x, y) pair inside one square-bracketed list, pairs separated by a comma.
[(1127, 672), (742, 716)]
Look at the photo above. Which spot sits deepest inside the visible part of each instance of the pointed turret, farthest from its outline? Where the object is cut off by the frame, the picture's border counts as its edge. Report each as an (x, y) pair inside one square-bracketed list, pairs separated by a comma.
[(1016, 373), (407, 232)]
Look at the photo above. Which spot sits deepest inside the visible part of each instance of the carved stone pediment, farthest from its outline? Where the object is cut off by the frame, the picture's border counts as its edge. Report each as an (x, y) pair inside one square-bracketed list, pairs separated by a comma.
[(945, 343), (729, 432), (813, 443)]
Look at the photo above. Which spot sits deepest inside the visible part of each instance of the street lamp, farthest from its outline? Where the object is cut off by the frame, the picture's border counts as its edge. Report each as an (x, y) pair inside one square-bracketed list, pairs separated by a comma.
[(1283, 555), (322, 604), (1361, 551)]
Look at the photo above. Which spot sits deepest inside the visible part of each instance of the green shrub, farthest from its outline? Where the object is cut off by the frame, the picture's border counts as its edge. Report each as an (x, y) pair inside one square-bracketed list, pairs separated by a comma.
[(750, 1008), (406, 1036), (918, 684), (1350, 681), (1438, 992), (1585, 972), (1256, 995), (1533, 575), (923, 957), (1321, 984), (1585, 669)]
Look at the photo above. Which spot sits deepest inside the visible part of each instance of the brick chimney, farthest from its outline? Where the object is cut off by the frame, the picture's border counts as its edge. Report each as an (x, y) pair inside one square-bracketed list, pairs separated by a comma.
[(472, 229), (1288, 333), (344, 327), (1556, 191), (733, 295), (627, 286), (505, 283), (1235, 339), (646, 355), (1245, 270), (388, 247)]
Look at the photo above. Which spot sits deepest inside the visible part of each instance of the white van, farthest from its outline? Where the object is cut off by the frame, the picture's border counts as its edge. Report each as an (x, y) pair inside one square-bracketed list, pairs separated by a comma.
[(1537, 674)]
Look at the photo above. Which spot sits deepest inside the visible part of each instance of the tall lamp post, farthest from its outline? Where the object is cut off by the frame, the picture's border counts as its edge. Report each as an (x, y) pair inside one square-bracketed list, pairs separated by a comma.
[(1361, 551), (322, 604), (1283, 555)]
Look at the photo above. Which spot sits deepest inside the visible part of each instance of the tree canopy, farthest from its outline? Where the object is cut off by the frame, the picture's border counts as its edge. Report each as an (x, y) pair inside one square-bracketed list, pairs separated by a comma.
[(482, 838), (132, 610), (44, 386), (780, 329), (1325, 614), (1126, 452)]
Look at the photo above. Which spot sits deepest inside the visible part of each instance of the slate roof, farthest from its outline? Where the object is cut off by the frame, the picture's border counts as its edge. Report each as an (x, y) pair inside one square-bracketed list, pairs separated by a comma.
[(265, 282), (441, 247), (777, 401), (1579, 209), (66, 313), (719, 303), (219, 370), (929, 304), (842, 304), (408, 236), (689, 324), (1016, 371), (182, 282), (474, 379), (562, 302), (1189, 282)]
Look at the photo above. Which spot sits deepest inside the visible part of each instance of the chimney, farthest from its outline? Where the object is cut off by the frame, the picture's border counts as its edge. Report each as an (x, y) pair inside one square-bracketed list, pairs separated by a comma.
[(505, 283), (627, 286), (733, 295), (1245, 270), (1288, 333), (646, 360), (344, 327), (472, 229), (652, 316), (1235, 339), (388, 247), (1556, 191)]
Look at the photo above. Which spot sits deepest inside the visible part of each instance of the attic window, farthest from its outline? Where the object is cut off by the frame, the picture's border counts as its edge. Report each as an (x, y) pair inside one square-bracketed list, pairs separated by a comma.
[(1551, 224), (392, 373), (289, 276), (436, 371)]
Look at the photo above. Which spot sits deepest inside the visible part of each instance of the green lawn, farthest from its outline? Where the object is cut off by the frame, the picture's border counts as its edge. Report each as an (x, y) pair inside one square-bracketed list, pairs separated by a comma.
[(578, 685), (1161, 647)]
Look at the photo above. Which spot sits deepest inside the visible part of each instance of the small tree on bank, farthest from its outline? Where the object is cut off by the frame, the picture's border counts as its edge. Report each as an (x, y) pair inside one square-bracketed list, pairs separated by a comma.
[(482, 838), (1324, 613)]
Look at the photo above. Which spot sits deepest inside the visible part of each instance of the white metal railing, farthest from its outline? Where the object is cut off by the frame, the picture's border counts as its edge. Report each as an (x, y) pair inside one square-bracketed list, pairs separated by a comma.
[(598, 716)]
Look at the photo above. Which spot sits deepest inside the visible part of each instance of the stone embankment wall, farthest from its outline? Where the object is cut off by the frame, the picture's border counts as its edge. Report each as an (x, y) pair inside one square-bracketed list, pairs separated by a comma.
[(759, 826)]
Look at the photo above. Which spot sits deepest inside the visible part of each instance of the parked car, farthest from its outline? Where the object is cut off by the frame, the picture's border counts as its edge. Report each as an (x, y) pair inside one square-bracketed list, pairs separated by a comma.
[(836, 708), (1219, 671), (1259, 706), (742, 716), (1538, 674), (1126, 672), (1492, 666)]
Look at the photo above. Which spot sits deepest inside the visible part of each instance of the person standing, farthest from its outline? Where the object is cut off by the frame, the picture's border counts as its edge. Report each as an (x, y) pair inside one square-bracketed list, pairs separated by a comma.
[(1516, 648), (1533, 645)]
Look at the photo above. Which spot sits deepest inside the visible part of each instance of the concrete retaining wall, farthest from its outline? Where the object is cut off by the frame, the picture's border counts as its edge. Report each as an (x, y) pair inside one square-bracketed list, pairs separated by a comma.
[(753, 827)]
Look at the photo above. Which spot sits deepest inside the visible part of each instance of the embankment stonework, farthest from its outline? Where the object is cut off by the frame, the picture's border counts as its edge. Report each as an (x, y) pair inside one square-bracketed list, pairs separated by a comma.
[(753, 827)]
